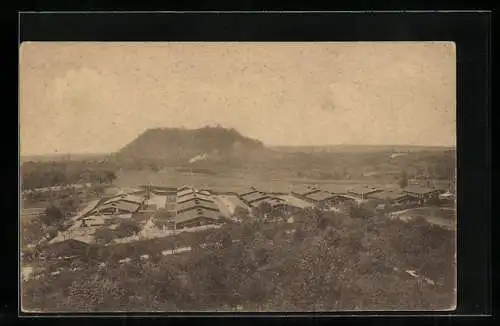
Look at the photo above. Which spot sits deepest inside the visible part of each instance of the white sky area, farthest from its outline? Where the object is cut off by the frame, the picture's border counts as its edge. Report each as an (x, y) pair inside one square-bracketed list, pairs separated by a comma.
[(97, 97)]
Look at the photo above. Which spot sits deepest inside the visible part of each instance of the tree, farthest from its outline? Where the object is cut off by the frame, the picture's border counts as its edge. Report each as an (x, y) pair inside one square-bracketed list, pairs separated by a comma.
[(403, 180), (263, 210), (360, 211), (127, 228), (110, 176), (52, 215), (104, 236), (241, 213)]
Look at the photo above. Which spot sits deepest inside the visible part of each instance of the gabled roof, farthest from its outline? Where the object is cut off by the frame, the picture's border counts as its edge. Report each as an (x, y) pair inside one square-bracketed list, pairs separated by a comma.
[(334, 188), (193, 196), (250, 198), (192, 204), (125, 197), (420, 190), (121, 205), (363, 190), (305, 190), (388, 194), (321, 195), (184, 187), (185, 192), (247, 192), (194, 214)]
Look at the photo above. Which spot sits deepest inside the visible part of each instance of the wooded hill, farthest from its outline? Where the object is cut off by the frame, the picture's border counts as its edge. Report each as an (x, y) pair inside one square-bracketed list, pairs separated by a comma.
[(181, 146)]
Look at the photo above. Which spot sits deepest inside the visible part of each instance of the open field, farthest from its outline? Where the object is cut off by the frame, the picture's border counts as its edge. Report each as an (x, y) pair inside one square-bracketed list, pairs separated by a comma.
[(233, 181)]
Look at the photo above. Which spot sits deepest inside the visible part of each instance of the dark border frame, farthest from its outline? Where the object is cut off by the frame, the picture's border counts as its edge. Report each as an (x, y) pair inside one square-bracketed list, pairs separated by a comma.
[(469, 30)]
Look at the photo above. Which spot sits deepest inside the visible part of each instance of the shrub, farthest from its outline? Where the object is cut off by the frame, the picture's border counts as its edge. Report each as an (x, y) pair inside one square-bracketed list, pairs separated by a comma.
[(127, 228), (360, 212), (105, 235), (349, 266), (52, 215)]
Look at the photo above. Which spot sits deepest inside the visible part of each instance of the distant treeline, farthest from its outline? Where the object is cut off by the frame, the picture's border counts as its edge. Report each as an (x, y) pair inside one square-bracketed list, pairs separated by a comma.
[(196, 170), (48, 174), (345, 166)]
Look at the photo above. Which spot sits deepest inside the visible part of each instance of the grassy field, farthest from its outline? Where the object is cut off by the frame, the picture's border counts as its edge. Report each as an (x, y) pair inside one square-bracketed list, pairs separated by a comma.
[(232, 181)]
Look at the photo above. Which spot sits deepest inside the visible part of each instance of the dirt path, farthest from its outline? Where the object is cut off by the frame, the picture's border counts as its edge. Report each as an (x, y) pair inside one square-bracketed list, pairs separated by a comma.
[(406, 214), (225, 205)]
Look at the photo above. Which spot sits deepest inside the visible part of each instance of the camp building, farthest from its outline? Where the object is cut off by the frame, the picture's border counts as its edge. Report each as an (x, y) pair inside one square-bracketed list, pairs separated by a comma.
[(252, 197), (304, 191), (421, 193), (363, 192), (196, 217)]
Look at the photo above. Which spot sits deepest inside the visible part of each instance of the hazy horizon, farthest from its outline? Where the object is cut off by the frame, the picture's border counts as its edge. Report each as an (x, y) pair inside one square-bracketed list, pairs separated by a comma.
[(94, 98), (268, 145)]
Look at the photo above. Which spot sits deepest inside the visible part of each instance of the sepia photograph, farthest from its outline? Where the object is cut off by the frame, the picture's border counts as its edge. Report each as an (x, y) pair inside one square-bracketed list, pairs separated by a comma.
[(237, 177)]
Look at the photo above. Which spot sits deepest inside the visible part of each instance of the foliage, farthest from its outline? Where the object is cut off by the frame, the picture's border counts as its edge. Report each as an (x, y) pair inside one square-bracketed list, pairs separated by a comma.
[(263, 210), (241, 213), (361, 211), (52, 215), (104, 235), (127, 228), (47, 174), (32, 231), (403, 180), (330, 262)]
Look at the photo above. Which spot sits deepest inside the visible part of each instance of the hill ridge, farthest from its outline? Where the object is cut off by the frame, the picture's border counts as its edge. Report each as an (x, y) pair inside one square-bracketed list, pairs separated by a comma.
[(185, 146)]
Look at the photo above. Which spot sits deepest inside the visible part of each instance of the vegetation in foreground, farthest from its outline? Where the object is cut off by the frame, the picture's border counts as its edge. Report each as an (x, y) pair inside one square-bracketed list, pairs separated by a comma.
[(322, 261)]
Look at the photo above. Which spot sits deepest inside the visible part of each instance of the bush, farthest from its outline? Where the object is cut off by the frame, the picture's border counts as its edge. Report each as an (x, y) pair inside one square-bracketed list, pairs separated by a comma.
[(241, 213), (32, 231), (52, 215), (360, 212), (349, 266), (105, 235), (127, 228)]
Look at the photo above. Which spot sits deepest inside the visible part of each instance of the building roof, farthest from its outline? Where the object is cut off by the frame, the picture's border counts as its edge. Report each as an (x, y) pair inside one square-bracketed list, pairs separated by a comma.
[(334, 188), (194, 214), (185, 192), (248, 191), (305, 190), (321, 195), (345, 196), (122, 205), (158, 188), (192, 204), (250, 198), (420, 190), (164, 192), (126, 197), (193, 196), (363, 190), (388, 194)]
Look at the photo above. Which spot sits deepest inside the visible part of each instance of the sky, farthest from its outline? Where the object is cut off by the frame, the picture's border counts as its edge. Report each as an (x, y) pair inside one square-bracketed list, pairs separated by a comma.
[(97, 97)]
